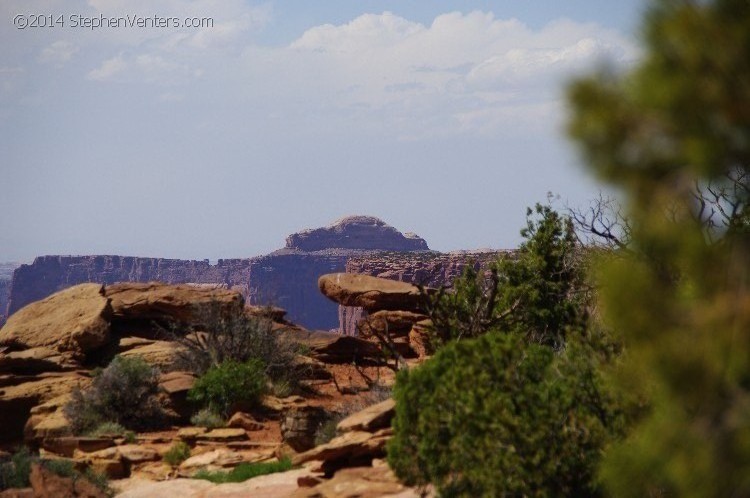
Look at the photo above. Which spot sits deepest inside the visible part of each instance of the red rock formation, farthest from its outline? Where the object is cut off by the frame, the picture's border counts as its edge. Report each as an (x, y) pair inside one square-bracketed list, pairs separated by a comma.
[(431, 269)]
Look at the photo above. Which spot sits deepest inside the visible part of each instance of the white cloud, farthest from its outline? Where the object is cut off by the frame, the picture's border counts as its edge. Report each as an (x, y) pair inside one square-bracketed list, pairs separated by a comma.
[(462, 73), (58, 52), (108, 69)]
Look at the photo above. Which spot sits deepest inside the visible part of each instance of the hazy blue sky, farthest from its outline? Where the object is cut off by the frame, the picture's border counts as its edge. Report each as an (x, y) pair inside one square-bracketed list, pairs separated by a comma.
[(442, 118)]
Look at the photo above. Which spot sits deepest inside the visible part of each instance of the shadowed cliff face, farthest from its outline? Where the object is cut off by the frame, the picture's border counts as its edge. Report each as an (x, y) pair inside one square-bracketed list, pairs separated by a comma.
[(287, 277), (6, 273)]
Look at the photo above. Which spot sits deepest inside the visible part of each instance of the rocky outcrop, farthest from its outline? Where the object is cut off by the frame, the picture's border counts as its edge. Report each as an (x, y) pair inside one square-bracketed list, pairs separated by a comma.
[(73, 321), (356, 232), (180, 303), (430, 269), (371, 293), (47, 347)]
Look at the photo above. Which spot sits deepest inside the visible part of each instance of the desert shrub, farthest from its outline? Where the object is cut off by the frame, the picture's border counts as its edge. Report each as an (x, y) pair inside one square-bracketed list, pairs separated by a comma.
[(177, 453), (125, 392), (496, 416), (223, 337), (245, 471), (112, 429), (230, 385), (207, 418)]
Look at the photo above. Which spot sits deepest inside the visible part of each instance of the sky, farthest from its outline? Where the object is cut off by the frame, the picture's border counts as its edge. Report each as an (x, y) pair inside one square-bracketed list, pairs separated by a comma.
[(442, 118)]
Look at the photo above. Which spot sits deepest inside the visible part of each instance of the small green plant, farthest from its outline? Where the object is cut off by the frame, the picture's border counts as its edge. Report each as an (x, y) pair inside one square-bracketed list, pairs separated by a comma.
[(113, 429), (60, 467), (230, 385), (245, 471), (177, 453), (207, 418), (124, 393), (100, 480), (15, 473)]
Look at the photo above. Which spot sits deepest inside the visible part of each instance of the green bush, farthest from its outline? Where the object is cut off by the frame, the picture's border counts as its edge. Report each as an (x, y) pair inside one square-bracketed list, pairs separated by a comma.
[(207, 418), (177, 453), (125, 393), (496, 416), (15, 473), (230, 385), (245, 471)]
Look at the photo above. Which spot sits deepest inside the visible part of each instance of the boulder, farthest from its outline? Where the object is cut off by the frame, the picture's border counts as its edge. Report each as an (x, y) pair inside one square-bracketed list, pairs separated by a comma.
[(164, 302), (273, 313), (48, 420), (175, 386), (370, 419), (74, 320), (70, 446), (161, 354), (299, 426), (349, 449), (393, 323), (134, 453), (211, 460), (334, 348), (371, 293), (223, 435), (37, 360), (359, 482), (244, 421)]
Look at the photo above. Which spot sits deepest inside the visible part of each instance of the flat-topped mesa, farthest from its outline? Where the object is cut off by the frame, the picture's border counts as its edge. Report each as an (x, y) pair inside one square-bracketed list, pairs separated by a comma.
[(356, 232)]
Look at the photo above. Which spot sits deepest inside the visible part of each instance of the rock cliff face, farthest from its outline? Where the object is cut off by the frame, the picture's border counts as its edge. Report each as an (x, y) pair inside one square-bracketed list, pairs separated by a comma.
[(286, 278), (6, 273)]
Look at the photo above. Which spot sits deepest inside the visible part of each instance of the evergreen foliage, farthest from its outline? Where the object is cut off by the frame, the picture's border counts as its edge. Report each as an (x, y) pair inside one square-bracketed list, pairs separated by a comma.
[(668, 134)]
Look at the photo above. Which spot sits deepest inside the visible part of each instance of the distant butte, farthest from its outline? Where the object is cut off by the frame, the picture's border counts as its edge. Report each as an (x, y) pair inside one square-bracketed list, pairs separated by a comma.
[(356, 232)]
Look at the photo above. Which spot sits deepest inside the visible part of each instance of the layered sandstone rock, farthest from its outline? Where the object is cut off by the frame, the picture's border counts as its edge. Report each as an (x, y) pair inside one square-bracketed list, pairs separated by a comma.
[(75, 321), (159, 301), (371, 293)]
